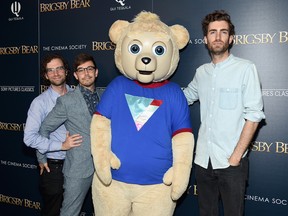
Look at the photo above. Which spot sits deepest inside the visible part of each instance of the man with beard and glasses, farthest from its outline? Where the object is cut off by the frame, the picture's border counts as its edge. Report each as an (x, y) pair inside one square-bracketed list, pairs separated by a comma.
[(231, 107), (75, 110), (50, 152)]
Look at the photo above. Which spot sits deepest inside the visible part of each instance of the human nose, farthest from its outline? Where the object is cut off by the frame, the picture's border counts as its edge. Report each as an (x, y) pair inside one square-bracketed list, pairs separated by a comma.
[(218, 35), (86, 70), (55, 72)]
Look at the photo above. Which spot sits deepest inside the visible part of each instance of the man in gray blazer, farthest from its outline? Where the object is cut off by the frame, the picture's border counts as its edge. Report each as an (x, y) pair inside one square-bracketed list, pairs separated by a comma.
[(75, 110)]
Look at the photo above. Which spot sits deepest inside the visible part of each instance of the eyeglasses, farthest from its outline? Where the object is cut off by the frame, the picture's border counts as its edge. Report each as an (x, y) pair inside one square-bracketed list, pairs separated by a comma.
[(89, 69), (58, 69)]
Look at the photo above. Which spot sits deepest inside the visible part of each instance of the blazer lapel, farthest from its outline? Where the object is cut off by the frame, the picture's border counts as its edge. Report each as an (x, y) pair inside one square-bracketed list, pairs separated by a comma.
[(82, 104)]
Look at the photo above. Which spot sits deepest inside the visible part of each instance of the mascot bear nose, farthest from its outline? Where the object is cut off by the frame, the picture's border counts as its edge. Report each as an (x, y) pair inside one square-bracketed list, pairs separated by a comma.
[(146, 60)]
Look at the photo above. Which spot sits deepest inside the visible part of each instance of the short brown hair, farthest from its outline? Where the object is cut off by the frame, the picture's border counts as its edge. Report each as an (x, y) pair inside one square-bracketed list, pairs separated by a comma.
[(217, 15), (82, 58)]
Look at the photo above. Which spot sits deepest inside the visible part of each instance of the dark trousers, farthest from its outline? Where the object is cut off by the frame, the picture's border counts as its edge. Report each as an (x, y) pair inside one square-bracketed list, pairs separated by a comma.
[(51, 189), (228, 184)]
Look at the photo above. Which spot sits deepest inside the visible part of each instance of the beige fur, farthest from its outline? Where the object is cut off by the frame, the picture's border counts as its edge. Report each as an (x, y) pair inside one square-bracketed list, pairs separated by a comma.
[(111, 197), (148, 22), (183, 145), (103, 157)]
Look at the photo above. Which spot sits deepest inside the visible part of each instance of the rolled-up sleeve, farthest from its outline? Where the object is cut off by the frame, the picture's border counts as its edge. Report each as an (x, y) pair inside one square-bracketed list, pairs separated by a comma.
[(252, 95)]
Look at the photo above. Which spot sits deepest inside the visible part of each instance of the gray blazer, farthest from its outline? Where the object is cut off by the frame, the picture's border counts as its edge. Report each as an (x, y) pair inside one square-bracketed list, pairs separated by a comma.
[(71, 109)]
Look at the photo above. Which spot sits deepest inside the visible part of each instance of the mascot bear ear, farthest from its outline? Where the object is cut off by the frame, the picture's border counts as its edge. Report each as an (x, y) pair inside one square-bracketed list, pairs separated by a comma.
[(116, 30), (181, 35)]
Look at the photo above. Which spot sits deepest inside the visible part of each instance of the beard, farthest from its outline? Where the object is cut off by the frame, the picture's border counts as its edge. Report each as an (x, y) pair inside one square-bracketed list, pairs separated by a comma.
[(218, 48), (58, 82)]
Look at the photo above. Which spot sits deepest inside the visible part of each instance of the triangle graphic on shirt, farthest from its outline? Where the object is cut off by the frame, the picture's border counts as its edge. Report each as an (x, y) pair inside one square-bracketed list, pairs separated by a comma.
[(142, 108)]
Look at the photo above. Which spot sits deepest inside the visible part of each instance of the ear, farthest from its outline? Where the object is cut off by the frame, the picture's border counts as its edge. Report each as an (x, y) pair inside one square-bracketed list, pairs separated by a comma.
[(205, 39), (231, 39), (96, 73), (46, 76), (116, 30), (181, 35), (75, 75)]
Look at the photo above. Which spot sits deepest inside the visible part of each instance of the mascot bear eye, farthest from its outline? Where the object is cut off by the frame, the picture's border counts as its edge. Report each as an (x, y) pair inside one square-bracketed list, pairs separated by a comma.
[(159, 50), (134, 48)]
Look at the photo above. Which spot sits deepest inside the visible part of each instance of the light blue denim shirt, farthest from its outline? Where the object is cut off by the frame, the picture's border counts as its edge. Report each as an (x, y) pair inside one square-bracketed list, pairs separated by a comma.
[(229, 92), (39, 109)]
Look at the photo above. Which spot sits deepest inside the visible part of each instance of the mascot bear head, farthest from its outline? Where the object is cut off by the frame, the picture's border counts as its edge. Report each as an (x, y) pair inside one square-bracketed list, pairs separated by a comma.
[(147, 50)]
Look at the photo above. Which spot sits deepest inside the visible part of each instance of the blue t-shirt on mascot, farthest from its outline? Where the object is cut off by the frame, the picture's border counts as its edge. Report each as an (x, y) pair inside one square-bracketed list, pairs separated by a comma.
[(144, 118)]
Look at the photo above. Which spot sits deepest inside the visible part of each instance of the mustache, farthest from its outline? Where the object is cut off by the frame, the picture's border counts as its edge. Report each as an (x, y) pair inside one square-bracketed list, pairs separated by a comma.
[(218, 40)]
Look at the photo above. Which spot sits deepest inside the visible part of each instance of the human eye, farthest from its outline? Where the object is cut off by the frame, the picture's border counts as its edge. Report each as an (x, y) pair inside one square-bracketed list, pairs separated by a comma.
[(90, 68), (80, 70), (60, 68), (212, 32), (49, 70)]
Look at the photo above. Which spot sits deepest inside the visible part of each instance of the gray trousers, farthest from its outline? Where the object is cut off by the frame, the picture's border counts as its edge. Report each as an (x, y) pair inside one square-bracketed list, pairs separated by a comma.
[(75, 191)]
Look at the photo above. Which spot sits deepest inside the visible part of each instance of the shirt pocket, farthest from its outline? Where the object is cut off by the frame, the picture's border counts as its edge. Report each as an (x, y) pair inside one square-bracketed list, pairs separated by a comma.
[(228, 98)]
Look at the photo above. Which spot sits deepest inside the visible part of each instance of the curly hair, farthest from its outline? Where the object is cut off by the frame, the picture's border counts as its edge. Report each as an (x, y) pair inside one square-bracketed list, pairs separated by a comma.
[(48, 58)]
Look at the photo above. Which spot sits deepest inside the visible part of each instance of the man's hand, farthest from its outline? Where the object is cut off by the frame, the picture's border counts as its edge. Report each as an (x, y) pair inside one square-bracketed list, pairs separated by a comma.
[(72, 141), (233, 161), (42, 167)]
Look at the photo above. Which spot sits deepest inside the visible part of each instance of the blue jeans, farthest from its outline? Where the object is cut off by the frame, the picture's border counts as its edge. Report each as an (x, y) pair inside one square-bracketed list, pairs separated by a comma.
[(227, 184)]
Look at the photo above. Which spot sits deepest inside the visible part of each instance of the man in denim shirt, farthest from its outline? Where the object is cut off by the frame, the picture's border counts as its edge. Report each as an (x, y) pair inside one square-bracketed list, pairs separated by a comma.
[(229, 93)]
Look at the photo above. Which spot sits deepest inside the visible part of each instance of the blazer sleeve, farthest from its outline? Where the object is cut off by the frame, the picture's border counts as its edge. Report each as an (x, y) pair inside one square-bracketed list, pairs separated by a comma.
[(54, 119)]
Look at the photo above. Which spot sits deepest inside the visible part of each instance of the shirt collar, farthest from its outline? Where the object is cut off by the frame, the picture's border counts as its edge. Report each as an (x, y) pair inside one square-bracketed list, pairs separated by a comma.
[(152, 85), (56, 94), (85, 90), (220, 64)]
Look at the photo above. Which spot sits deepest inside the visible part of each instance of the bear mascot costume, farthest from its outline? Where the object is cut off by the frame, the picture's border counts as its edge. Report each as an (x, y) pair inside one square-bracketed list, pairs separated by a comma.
[(141, 136)]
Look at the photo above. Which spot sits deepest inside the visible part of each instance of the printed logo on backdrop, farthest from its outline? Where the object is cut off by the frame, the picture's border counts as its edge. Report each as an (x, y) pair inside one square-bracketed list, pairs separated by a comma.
[(15, 9), (267, 200), (64, 5), (120, 5), (27, 203), (277, 147), (17, 50), (45, 87), (280, 37), (59, 47), (103, 45), (17, 164), (192, 190), (275, 92), (11, 126), (17, 88)]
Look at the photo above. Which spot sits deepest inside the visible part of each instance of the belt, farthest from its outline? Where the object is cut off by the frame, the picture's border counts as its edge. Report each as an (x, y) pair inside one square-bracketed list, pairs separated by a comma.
[(55, 161)]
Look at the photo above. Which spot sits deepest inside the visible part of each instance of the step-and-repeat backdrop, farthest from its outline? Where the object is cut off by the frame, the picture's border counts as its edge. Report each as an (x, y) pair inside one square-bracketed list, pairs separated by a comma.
[(31, 29)]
